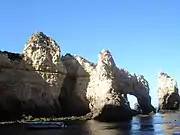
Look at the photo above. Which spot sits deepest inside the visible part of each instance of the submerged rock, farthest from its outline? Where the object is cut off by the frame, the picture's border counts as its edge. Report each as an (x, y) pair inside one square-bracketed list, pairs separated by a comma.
[(168, 93)]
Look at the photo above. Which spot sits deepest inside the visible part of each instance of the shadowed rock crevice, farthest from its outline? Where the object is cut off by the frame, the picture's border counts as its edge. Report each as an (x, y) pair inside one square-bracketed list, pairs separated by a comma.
[(118, 113), (73, 93), (10, 106), (26, 96), (171, 102)]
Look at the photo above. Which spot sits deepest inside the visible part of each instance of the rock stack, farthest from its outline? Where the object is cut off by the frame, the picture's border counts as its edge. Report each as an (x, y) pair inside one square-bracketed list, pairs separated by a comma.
[(168, 94)]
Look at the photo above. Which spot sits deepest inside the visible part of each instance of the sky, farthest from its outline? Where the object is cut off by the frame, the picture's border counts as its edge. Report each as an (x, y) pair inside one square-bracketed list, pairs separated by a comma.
[(143, 36)]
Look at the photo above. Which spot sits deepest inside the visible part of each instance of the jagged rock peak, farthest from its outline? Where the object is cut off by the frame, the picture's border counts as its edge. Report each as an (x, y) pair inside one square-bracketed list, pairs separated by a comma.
[(163, 74), (164, 80), (43, 53), (143, 81), (105, 57), (39, 39)]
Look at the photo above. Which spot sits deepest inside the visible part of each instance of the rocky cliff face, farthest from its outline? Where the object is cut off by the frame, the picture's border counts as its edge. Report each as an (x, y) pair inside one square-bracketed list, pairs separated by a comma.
[(73, 97), (41, 82), (32, 80), (168, 94), (137, 86), (106, 99), (102, 88)]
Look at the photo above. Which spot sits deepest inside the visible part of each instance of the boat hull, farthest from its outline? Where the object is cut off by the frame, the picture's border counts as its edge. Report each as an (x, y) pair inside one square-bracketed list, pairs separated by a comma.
[(43, 125)]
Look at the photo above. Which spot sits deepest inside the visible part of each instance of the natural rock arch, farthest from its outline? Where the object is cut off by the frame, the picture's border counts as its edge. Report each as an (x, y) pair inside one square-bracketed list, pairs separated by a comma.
[(137, 86), (132, 100), (106, 86), (44, 78)]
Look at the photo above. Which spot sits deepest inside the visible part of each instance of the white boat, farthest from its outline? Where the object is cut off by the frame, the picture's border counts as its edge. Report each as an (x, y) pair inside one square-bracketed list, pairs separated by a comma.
[(43, 125)]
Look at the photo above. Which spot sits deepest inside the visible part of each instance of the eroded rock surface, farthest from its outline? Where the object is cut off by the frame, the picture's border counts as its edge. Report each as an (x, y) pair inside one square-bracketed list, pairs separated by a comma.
[(32, 80), (137, 86), (168, 94), (103, 93), (102, 88), (73, 97), (42, 83)]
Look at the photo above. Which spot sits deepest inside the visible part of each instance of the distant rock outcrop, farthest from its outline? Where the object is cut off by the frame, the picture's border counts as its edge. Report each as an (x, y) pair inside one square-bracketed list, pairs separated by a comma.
[(42, 83), (168, 94)]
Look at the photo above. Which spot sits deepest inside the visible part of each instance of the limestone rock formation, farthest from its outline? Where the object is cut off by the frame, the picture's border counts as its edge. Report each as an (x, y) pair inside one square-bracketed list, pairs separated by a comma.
[(32, 80), (73, 96), (137, 86), (168, 94), (40, 82), (106, 101), (102, 88)]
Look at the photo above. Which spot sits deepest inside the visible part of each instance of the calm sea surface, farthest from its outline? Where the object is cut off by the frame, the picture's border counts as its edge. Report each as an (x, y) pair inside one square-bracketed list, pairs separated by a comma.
[(159, 124)]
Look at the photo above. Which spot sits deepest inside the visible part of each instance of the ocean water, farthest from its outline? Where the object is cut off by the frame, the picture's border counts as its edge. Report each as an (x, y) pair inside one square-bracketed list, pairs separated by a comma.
[(159, 124)]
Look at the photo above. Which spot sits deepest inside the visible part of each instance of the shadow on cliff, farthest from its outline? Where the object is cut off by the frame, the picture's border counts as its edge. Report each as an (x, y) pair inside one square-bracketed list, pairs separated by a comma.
[(145, 105), (170, 102), (23, 91), (73, 93)]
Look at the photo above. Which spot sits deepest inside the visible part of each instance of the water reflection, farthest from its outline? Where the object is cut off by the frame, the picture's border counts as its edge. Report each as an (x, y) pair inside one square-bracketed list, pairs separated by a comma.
[(171, 123), (158, 124), (100, 128), (146, 123), (150, 125)]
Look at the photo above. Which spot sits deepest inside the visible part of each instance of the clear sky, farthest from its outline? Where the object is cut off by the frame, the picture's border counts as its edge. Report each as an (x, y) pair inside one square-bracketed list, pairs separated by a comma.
[(142, 35)]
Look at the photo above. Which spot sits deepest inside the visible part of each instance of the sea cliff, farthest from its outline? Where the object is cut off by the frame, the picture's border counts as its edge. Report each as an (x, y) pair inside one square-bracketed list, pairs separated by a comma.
[(43, 83)]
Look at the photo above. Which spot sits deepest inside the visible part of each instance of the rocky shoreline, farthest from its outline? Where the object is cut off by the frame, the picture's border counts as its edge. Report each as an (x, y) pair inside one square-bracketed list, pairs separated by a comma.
[(73, 118), (42, 83)]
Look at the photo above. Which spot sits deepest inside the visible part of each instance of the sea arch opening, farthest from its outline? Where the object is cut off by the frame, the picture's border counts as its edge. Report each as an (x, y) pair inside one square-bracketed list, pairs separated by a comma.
[(132, 101)]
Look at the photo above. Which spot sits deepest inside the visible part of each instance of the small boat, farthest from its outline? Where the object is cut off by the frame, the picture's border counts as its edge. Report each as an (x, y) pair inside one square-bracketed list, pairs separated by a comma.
[(43, 125)]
